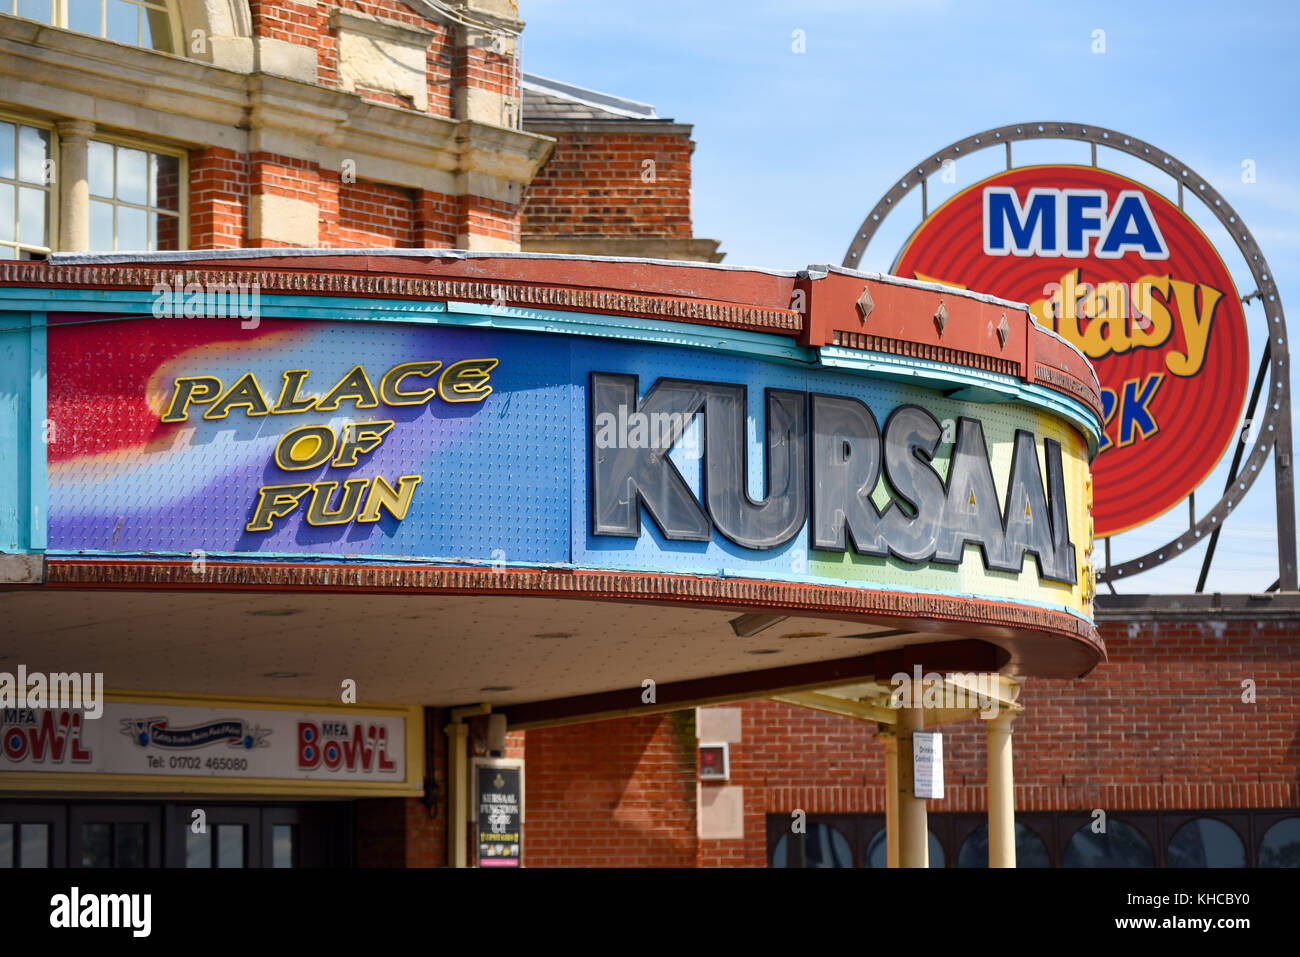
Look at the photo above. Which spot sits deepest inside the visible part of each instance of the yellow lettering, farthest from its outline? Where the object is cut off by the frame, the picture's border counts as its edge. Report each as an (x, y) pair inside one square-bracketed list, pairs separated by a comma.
[(360, 438), (1152, 323), (184, 392), (396, 500), (388, 385), (275, 501), (289, 400), (320, 496), (466, 381), (246, 394), (1195, 325), (1067, 308), (356, 386)]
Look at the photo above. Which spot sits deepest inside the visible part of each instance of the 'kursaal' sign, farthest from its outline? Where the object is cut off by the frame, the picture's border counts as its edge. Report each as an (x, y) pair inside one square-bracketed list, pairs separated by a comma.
[(1129, 278)]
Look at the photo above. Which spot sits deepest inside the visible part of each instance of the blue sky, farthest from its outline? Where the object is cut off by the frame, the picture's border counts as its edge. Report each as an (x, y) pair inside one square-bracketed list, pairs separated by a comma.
[(793, 149)]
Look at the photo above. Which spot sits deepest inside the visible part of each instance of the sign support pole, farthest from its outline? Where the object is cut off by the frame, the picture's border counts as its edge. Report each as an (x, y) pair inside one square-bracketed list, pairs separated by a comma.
[(1001, 792), (913, 830)]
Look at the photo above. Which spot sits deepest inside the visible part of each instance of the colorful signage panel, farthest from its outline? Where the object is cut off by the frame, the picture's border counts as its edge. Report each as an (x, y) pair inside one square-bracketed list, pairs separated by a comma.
[(1129, 278), (445, 443), (229, 744)]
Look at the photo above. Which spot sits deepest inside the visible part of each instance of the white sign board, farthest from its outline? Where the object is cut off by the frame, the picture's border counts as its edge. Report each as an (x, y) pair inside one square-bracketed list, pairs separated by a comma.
[(221, 742), (927, 764)]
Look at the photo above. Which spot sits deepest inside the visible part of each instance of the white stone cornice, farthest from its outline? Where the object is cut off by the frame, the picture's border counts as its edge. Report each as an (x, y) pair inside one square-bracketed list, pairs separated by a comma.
[(60, 75), (378, 28)]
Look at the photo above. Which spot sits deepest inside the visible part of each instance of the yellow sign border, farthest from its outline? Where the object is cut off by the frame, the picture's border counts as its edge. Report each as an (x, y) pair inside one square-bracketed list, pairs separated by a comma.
[(52, 782)]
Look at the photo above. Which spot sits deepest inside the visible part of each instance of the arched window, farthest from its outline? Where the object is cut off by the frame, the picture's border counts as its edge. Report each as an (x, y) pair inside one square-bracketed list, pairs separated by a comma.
[(878, 851), (1206, 842), (1120, 845), (823, 846), (1280, 846), (143, 23), (1030, 849)]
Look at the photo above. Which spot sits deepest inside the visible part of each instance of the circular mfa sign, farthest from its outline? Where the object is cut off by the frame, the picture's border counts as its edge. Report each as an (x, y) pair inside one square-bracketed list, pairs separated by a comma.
[(1125, 275)]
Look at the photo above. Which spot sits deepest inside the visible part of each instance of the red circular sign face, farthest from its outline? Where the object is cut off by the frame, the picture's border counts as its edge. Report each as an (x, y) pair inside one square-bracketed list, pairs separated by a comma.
[(1121, 272)]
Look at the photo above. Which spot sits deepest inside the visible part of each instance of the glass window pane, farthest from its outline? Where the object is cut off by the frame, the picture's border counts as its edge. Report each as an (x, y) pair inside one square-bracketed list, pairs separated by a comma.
[(34, 845), (282, 845), (1280, 846), (129, 845), (878, 851), (8, 252), (8, 148), (778, 854), (42, 10), (33, 151), (1120, 846), (1030, 850), (32, 205), (7, 221), (1206, 842), (84, 16), (6, 846), (936, 852), (132, 175), (156, 31), (101, 227), (230, 845), (100, 162), (132, 228), (825, 846), (198, 848), (165, 181), (167, 231), (96, 849), (122, 22)]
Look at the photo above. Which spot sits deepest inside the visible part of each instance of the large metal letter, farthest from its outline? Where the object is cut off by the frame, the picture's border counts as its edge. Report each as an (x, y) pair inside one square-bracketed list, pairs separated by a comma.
[(846, 467), (1062, 549), (911, 438), (1028, 522), (629, 461), (777, 518), (971, 512)]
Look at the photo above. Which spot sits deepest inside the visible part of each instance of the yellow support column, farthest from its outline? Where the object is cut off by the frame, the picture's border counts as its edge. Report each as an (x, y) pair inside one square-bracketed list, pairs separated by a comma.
[(889, 738), (913, 831), (1001, 792)]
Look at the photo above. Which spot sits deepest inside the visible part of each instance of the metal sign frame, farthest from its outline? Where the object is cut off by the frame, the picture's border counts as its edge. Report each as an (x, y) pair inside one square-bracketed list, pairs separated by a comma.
[(1275, 429)]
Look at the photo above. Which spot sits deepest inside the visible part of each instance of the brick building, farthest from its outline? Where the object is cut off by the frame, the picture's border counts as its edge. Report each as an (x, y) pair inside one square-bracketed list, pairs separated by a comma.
[(185, 125), (229, 125)]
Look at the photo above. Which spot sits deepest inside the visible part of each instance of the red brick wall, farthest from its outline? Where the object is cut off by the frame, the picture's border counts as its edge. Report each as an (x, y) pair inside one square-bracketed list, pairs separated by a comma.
[(373, 215), (479, 216), (403, 832), (617, 793), (593, 185), (1160, 726), (218, 198), (359, 214)]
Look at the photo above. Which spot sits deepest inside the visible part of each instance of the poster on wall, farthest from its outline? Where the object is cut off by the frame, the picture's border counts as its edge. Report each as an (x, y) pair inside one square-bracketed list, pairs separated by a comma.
[(499, 812)]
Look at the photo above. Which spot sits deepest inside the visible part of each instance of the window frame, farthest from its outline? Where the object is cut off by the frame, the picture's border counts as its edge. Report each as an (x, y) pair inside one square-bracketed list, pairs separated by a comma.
[(1239, 821), (53, 190), (149, 146), (59, 21)]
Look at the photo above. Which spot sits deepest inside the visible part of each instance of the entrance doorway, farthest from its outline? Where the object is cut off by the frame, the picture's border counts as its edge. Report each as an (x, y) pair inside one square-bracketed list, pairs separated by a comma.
[(175, 834)]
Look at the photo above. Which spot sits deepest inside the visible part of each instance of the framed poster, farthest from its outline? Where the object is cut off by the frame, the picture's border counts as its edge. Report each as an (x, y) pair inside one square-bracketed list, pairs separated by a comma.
[(498, 812)]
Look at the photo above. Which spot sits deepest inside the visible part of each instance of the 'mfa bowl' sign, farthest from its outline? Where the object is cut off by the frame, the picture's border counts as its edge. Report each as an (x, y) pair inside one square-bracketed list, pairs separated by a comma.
[(167, 739), (1126, 276)]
